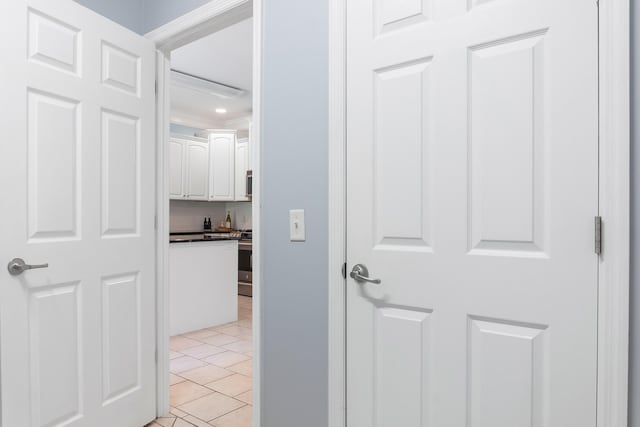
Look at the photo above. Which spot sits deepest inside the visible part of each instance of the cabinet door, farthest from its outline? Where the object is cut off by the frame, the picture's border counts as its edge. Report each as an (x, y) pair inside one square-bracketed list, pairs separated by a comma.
[(197, 183), (222, 175), (176, 169), (242, 166)]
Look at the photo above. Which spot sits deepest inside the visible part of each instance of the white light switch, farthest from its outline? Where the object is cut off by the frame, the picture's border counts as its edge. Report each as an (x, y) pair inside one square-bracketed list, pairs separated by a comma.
[(296, 225)]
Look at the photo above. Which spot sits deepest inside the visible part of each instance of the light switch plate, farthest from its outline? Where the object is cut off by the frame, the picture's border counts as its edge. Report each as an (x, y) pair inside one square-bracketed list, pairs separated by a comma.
[(296, 225)]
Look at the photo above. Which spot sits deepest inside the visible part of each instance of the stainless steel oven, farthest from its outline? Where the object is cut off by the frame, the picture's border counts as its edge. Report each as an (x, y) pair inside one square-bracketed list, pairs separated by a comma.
[(245, 265)]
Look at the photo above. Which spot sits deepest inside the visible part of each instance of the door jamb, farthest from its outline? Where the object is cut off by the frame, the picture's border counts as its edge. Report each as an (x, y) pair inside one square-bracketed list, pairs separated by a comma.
[(614, 204), (337, 215), (205, 20)]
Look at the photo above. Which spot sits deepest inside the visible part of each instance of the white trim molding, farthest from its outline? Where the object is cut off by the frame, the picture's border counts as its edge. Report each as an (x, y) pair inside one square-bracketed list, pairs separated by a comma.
[(162, 242), (337, 213), (613, 295), (212, 17), (200, 22), (256, 210), (614, 207)]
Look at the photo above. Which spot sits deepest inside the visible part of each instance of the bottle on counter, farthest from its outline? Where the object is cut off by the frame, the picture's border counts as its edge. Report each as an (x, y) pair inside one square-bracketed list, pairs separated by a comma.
[(227, 221)]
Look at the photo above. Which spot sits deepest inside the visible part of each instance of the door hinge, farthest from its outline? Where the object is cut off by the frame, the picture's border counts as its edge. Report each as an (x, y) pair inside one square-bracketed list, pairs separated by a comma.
[(598, 234), (155, 222), (156, 356), (156, 87), (344, 270)]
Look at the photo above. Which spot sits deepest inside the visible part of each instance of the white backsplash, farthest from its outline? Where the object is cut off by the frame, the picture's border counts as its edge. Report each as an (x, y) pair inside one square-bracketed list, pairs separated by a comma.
[(241, 218), (189, 215)]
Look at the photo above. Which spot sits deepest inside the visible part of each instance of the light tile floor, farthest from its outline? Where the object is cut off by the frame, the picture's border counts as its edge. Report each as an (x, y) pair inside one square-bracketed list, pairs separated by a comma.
[(211, 375)]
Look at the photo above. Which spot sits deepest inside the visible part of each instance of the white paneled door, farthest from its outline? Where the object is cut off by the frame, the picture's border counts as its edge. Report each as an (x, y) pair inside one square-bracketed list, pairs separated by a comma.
[(472, 145), (77, 174)]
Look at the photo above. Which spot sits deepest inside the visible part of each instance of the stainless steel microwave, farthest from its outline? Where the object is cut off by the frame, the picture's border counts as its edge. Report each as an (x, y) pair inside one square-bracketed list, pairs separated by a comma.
[(249, 183)]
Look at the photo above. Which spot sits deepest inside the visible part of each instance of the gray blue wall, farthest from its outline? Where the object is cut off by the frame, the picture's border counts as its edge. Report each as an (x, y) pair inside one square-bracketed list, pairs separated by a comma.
[(128, 13), (295, 164), (159, 12), (634, 376), (142, 16)]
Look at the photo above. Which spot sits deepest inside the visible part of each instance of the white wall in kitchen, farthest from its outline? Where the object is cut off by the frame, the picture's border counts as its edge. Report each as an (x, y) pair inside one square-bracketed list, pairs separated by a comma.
[(189, 215), (240, 215)]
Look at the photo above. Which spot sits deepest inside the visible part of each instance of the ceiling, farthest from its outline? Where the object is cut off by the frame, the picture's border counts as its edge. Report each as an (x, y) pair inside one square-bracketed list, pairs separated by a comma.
[(224, 57)]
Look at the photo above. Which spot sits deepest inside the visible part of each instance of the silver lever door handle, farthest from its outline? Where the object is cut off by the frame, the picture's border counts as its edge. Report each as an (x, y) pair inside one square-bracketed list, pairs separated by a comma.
[(360, 274), (18, 266)]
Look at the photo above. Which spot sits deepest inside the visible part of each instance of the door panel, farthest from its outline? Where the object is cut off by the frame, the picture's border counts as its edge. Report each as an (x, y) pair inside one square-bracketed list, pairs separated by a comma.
[(507, 159), (403, 340), (401, 110), (53, 43), (53, 199), (508, 359), (391, 15), (78, 337), (120, 69), (120, 311), (56, 355), (120, 174), (472, 153)]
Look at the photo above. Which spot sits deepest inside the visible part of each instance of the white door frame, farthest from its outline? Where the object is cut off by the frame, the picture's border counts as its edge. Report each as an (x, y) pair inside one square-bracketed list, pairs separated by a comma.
[(205, 20), (613, 275)]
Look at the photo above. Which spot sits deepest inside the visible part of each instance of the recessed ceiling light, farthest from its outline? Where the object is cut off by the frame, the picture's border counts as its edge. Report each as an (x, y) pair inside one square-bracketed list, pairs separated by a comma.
[(221, 110)]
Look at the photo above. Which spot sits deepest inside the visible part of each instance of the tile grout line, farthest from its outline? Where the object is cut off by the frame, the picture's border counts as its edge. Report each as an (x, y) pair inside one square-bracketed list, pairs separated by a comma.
[(239, 333)]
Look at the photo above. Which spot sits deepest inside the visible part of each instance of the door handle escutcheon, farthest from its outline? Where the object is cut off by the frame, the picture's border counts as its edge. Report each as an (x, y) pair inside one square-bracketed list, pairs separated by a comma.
[(360, 274), (17, 266)]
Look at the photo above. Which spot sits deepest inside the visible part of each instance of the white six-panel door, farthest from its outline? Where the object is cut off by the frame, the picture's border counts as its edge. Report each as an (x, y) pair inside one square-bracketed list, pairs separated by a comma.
[(472, 155), (77, 176)]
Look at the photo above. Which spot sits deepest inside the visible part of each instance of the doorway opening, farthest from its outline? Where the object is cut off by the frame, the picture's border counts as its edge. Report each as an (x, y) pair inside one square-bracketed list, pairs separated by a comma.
[(206, 113)]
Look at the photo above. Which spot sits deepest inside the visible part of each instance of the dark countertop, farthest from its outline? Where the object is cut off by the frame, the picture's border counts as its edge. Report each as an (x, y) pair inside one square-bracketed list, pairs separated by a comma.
[(200, 236)]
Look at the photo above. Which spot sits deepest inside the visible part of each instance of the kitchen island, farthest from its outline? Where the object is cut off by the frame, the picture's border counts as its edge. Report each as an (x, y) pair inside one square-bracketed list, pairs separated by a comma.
[(203, 287)]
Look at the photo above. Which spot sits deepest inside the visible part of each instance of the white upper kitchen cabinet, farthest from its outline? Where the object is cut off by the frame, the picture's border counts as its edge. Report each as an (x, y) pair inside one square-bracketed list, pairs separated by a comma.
[(189, 168), (222, 165), (197, 182), (242, 166), (177, 166)]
